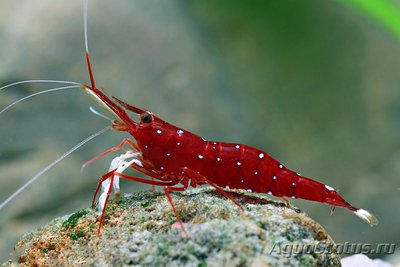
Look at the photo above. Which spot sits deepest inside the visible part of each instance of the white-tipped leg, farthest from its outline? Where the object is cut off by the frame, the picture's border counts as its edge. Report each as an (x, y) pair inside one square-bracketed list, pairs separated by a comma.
[(366, 216), (105, 187), (117, 161), (119, 164), (117, 191)]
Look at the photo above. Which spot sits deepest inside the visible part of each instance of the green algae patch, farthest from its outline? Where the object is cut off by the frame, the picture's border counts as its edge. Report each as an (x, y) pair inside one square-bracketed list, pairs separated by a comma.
[(72, 221), (141, 230), (77, 235)]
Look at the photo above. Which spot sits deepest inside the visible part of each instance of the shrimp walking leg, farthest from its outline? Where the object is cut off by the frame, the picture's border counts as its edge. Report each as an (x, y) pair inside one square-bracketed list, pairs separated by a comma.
[(111, 180), (104, 199), (118, 165), (116, 148), (145, 181), (106, 185), (100, 183), (194, 176), (166, 190)]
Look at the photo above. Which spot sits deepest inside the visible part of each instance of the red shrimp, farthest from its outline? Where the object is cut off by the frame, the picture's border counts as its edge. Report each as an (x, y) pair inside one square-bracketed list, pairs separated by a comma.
[(172, 156), (176, 159), (175, 156)]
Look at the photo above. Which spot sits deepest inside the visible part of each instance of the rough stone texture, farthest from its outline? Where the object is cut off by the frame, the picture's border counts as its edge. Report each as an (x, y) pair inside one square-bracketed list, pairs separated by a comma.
[(141, 230)]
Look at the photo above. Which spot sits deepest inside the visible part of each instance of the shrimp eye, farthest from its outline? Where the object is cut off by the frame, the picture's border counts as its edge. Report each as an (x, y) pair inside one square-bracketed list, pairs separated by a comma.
[(146, 118)]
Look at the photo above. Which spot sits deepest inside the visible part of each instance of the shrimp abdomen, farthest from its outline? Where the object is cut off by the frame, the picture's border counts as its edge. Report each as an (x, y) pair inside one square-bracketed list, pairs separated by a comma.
[(237, 166)]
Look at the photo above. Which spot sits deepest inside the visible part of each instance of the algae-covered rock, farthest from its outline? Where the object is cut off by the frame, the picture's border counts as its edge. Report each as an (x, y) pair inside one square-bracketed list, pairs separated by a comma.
[(141, 230)]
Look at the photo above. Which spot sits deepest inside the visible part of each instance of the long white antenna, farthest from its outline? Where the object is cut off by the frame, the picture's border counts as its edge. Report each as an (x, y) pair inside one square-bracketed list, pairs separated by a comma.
[(85, 12), (31, 180), (38, 81), (39, 93)]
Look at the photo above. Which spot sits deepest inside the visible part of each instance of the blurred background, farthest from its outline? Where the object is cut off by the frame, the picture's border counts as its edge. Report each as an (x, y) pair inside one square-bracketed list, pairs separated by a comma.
[(313, 83)]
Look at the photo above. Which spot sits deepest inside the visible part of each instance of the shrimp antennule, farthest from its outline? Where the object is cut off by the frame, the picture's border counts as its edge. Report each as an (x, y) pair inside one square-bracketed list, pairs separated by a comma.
[(39, 93), (38, 81)]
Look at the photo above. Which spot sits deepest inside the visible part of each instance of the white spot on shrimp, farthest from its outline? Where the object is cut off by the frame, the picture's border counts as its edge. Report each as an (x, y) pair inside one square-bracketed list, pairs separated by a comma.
[(261, 155), (249, 190), (161, 168), (159, 131), (270, 193), (241, 181), (227, 187), (146, 146), (218, 159), (293, 197), (293, 183), (214, 147), (237, 146), (168, 154), (274, 178), (238, 163), (200, 156), (329, 188), (215, 143), (178, 144), (280, 166), (179, 132), (255, 173)]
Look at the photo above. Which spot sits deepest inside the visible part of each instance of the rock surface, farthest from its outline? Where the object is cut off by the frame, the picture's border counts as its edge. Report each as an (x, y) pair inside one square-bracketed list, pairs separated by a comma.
[(141, 230)]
